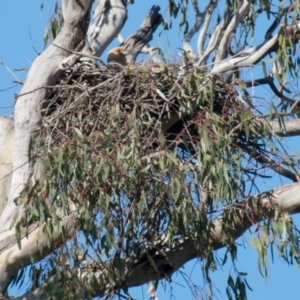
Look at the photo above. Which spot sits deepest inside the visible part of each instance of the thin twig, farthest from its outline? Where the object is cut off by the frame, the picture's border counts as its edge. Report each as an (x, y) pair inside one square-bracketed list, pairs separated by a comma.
[(45, 87), (81, 54), (297, 103), (270, 81), (269, 163)]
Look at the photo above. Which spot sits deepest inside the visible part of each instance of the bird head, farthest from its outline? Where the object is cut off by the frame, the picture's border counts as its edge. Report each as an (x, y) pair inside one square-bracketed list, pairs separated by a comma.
[(118, 55)]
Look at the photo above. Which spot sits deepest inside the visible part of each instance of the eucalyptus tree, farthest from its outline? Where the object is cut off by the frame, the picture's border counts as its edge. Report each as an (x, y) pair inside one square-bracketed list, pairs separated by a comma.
[(115, 176)]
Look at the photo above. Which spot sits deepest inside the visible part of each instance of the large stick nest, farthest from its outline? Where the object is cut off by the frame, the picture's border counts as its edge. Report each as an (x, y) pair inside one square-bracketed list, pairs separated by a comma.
[(89, 97), (107, 148)]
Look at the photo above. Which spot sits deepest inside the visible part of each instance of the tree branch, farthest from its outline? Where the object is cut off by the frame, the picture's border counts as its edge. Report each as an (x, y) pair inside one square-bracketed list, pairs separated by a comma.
[(44, 71), (186, 43), (202, 18), (277, 20), (286, 129), (236, 19), (270, 81), (35, 245), (253, 55), (203, 33), (136, 42), (216, 36), (108, 20), (275, 166), (168, 259)]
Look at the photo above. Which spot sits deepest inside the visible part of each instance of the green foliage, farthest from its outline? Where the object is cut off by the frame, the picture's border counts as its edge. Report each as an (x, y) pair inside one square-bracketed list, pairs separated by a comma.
[(55, 24), (237, 289), (105, 154), (278, 232)]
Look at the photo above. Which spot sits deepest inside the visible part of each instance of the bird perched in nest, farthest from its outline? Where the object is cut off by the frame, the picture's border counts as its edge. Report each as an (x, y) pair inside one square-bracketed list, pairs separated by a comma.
[(118, 55)]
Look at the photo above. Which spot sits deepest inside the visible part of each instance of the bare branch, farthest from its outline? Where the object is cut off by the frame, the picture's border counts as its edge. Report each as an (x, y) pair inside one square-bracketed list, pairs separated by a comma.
[(215, 37), (203, 33), (288, 128), (275, 166), (136, 42), (270, 81), (35, 245), (237, 18), (108, 20), (186, 43), (287, 113), (253, 55), (277, 21)]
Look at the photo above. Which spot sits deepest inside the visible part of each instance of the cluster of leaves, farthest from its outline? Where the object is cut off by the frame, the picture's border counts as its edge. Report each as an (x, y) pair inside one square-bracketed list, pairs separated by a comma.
[(105, 154), (56, 22)]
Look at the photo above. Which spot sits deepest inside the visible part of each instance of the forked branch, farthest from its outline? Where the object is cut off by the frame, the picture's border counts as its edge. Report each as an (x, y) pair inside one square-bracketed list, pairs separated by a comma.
[(135, 43)]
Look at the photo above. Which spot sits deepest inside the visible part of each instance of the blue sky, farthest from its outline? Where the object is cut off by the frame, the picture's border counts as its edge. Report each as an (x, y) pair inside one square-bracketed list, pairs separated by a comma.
[(22, 26)]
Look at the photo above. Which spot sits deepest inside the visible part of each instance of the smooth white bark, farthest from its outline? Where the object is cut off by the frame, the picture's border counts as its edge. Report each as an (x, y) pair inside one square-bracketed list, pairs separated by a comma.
[(289, 128), (6, 150), (108, 20)]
